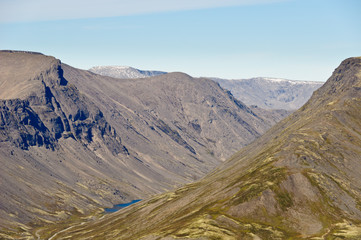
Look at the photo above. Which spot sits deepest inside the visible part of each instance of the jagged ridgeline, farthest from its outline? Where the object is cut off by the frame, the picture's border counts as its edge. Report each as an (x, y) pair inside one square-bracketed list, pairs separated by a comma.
[(301, 180), (73, 142)]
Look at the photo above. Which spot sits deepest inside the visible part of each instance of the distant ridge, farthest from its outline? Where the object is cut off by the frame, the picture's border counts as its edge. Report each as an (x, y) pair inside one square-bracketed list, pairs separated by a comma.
[(271, 93), (263, 92), (124, 72), (20, 51)]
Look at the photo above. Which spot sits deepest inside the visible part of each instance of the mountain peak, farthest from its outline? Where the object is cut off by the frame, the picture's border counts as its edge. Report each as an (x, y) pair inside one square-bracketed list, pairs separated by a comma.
[(344, 83), (176, 75), (348, 73), (124, 72)]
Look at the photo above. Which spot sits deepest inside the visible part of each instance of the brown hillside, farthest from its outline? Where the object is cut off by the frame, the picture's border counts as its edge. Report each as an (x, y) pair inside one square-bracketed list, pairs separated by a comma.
[(72, 142), (300, 180)]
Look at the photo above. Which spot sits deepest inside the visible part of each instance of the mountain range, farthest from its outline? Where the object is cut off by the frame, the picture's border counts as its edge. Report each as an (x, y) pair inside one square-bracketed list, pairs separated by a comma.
[(124, 72), (300, 180), (271, 93), (266, 93), (73, 142)]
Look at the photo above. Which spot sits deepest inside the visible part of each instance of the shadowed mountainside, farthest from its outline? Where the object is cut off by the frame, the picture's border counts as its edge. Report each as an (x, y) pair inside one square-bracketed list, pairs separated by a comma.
[(299, 180), (72, 142)]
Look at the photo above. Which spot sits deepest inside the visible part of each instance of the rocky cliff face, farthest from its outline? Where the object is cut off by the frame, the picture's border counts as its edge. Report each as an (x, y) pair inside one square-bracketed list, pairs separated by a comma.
[(56, 107), (301, 180), (72, 141), (41, 115), (21, 126)]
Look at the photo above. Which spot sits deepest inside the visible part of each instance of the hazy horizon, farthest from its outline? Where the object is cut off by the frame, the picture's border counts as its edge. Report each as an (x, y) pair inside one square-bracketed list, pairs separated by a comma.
[(291, 39)]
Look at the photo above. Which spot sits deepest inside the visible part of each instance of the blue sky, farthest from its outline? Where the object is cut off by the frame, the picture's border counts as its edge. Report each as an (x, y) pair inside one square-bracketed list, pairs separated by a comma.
[(294, 39)]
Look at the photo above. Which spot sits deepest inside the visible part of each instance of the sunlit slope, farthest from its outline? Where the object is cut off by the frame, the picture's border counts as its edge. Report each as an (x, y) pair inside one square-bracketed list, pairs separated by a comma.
[(271, 93), (300, 180)]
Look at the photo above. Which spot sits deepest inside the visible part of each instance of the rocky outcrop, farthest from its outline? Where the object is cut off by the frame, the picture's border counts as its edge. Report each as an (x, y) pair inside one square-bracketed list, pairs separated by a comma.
[(20, 125), (64, 112)]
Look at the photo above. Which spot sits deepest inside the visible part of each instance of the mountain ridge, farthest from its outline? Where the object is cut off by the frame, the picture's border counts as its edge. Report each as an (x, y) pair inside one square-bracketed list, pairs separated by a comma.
[(264, 92), (300, 180), (271, 93), (124, 72), (73, 142)]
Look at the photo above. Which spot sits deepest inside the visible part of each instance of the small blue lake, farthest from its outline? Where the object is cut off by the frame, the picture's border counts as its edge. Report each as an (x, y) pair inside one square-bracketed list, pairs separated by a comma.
[(120, 206)]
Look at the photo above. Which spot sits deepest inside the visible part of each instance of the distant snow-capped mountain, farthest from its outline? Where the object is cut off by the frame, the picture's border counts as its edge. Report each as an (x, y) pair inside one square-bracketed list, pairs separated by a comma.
[(124, 72), (271, 93)]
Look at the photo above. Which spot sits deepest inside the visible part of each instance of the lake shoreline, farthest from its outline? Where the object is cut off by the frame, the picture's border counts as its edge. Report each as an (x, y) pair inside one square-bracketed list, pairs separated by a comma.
[(117, 207)]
